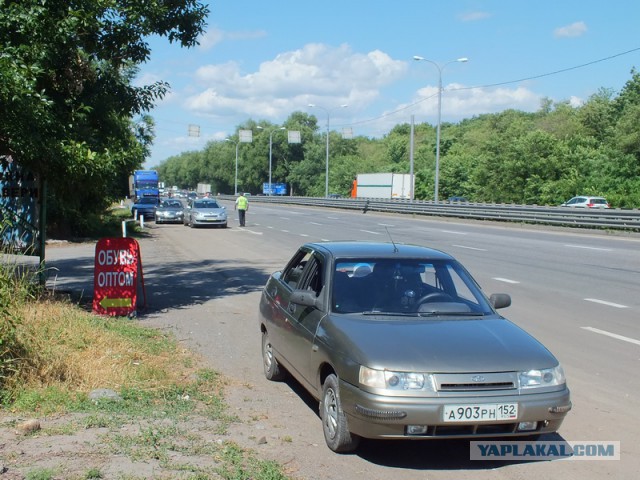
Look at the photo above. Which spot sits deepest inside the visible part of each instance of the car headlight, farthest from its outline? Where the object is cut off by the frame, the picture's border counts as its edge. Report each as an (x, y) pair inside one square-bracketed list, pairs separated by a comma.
[(389, 380), (548, 377)]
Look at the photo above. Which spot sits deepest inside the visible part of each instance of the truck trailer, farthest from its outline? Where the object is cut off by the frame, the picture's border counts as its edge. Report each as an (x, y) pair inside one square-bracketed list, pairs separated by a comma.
[(383, 185)]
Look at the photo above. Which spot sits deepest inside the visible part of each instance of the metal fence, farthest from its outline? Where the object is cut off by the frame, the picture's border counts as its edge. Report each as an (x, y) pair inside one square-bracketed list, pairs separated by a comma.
[(613, 218)]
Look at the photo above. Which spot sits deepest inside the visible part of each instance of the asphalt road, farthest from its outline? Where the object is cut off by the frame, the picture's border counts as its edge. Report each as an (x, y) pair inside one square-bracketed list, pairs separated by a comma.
[(577, 292)]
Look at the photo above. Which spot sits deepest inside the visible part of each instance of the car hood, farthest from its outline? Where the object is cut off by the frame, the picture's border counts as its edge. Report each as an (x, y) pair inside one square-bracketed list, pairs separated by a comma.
[(432, 345)]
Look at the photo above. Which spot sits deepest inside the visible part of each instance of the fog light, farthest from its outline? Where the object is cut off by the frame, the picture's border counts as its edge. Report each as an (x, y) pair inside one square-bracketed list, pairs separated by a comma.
[(416, 429), (527, 426)]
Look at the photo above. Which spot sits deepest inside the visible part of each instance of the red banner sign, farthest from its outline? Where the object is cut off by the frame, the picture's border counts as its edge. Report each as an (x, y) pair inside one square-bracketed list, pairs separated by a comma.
[(115, 279)]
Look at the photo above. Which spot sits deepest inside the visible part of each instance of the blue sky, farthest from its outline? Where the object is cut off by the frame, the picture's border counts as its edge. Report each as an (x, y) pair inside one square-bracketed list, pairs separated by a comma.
[(265, 60)]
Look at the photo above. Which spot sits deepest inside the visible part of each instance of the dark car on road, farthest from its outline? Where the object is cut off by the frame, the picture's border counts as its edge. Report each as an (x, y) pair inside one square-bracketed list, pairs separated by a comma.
[(170, 210), (399, 342), (145, 206)]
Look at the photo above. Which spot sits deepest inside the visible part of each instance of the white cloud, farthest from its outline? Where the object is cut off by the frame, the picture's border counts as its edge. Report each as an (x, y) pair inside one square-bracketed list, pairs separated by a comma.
[(473, 16), (316, 73), (214, 36), (576, 29)]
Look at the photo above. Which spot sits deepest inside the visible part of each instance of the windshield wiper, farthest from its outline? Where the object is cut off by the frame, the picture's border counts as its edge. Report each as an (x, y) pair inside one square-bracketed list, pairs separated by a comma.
[(390, 314), (450, 314)]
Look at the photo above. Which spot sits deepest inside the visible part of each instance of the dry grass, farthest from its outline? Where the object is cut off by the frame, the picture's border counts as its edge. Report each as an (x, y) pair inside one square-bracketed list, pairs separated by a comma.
[(74, 351)]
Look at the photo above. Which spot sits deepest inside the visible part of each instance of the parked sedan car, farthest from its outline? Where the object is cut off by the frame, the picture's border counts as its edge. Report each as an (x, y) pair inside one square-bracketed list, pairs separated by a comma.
[(205, 211), (586, 202), (399, 342), (144, 206), (170, 210)]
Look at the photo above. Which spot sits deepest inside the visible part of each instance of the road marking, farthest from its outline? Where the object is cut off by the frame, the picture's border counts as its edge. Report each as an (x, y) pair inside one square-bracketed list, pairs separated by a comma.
[(284, 231), (369, 231), (246, 230), (505, 280), (604, 302), (584, 247), (304, 235), (386, 225), (454, 232), (612, 335), (314, 223), (470, 248)]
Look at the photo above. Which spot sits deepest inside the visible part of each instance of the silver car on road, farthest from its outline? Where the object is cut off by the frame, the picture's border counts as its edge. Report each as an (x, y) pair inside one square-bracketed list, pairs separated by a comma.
[(399, 342), (204, 212)]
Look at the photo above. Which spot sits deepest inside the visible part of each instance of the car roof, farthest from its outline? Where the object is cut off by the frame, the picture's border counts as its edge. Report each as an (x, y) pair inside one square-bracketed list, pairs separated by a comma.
[(355, 249)]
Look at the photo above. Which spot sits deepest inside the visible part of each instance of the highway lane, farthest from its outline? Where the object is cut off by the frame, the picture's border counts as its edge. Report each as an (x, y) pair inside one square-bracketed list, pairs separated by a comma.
[(205, 283)]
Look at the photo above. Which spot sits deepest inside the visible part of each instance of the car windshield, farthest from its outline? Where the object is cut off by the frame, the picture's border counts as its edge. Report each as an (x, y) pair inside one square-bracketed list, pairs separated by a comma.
[(408, 286), (171, 203), (205, 204)]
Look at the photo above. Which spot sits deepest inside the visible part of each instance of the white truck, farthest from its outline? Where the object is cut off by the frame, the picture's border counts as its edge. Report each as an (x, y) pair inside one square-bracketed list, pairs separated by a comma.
[(383, 185), (203, 189)]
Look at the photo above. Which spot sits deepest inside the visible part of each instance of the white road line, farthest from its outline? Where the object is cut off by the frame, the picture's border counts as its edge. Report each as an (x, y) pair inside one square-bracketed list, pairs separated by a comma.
[(612, 335), (246, 230), (304, 235), (369, 231), (454, 232), (584, 247), (325, 240), (505, 280), (470, 248), (315, 223), (386, 225), (604, 302)]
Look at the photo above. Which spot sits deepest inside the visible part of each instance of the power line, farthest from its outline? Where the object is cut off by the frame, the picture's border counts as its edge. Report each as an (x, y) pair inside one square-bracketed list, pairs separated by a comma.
[(556, 72)]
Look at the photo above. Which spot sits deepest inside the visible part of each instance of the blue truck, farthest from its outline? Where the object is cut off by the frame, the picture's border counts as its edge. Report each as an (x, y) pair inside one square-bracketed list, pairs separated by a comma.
[(144, 183)]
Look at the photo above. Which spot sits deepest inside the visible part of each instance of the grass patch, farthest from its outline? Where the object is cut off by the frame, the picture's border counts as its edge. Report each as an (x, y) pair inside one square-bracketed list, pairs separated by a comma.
[(168, 408)]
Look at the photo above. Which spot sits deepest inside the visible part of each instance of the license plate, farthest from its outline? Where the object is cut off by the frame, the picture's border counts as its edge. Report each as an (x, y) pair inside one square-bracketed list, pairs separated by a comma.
[(486, 412)]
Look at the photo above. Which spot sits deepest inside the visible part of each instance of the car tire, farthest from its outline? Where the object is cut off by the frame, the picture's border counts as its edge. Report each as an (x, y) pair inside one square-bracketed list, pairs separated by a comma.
[(272, 369), (334, 422)]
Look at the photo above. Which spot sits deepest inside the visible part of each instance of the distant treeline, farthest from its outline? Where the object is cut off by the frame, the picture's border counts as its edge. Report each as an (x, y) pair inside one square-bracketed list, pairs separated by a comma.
[(541, 158)]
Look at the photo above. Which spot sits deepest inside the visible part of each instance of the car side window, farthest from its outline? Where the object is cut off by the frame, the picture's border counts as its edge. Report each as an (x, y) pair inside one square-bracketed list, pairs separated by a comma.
[(312, 278), (293, 271)]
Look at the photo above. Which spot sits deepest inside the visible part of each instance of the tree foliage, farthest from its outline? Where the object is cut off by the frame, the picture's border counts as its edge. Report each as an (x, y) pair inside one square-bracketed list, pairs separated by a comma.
[(541, 158), (67, 96)]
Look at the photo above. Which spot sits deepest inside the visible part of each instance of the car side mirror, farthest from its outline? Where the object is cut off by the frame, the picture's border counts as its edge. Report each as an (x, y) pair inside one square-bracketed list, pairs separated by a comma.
[(500, 300), (306, 298)]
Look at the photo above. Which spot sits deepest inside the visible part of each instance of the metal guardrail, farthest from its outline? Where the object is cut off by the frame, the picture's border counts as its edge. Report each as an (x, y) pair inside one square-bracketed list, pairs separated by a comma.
[(614, 218)]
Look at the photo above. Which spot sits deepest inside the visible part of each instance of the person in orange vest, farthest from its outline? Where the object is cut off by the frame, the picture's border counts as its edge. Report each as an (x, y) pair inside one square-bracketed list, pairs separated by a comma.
[(242, 205)]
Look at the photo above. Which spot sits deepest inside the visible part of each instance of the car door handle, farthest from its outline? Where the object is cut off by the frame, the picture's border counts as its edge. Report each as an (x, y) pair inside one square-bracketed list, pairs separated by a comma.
[(292, 308)]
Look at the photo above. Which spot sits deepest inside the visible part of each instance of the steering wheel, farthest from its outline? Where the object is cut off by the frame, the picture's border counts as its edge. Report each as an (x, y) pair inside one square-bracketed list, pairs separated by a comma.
[(435, 297)]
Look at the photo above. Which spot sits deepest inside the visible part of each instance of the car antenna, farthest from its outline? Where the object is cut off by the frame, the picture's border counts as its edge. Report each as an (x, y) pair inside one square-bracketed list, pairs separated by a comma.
[(395, 248)]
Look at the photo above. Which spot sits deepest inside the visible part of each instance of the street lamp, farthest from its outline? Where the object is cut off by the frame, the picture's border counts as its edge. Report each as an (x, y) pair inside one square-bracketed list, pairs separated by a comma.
[(439, 67), (271, 132), (235, 185), (326, 180)]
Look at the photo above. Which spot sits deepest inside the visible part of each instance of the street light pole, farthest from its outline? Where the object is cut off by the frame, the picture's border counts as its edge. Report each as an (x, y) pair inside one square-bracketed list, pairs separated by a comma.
[(235, 185), (326, 179), (439, 67), (273, 130)]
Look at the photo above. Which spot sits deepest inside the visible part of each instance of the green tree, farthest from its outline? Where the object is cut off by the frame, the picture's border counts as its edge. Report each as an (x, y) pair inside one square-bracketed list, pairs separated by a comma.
[(70, 111)]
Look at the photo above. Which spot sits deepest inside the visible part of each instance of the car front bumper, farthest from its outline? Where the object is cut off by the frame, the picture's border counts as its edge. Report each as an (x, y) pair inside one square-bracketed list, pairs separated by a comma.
[(377, 416)]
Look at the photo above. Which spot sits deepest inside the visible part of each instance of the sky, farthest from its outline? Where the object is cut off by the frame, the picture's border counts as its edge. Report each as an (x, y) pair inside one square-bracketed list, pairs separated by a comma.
[(262, 61)]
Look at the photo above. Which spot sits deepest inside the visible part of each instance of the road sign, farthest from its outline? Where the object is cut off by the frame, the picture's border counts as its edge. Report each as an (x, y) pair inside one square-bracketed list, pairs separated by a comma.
[(115, 279)]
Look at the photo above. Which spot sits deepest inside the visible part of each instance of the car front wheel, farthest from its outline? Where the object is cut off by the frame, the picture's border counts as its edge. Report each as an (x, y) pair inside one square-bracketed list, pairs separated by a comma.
[(334, 421), (272, 369)]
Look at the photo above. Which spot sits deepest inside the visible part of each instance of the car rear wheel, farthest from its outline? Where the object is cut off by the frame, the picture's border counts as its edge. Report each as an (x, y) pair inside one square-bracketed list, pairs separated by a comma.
[(334, 421), (272, 369)]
